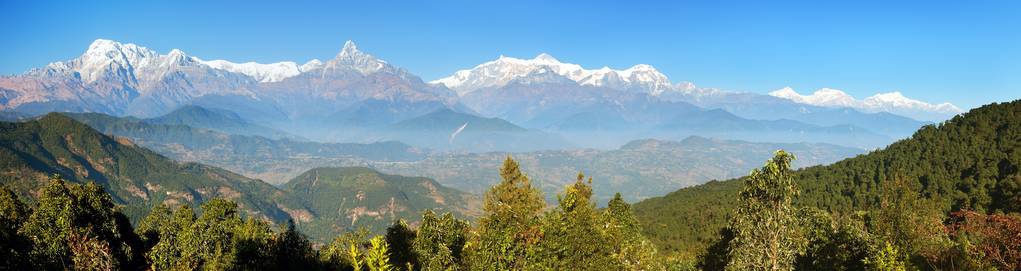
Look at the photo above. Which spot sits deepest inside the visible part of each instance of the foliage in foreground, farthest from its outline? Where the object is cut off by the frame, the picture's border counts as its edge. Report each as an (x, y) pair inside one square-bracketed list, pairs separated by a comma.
[(77, 226)]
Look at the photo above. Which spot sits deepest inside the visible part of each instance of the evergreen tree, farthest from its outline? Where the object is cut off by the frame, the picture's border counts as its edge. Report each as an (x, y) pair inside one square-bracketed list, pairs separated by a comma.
[(401, 239), (209, 242), (509, 227), (717, 256), (288, 249), (632, 250), (440, 241), (344, 252), (76, 225), (258, 247), (14, 246), (913, 225), (766, 234), (149, 228), (887, 259), (167, 253), (833, 243), (573, 236)]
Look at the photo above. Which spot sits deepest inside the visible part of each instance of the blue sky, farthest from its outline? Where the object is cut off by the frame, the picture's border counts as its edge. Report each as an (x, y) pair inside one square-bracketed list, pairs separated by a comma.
[(964, 52)]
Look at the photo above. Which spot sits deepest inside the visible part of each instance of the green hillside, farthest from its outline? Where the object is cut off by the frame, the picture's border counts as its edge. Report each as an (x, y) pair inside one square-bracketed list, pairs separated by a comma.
[(273, 160), (345, 199), (136, 177), (218, 120), (969, 162)]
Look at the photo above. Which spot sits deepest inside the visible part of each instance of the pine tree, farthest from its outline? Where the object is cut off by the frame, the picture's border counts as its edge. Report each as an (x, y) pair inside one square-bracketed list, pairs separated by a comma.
[(573, 234), (288, 248), (509, 226), (632, 251), (766, 234)]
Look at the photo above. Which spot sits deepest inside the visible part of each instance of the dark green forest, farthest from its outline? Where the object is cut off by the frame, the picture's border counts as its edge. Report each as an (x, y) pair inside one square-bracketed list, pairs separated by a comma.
[(965, 167), (945, 199)]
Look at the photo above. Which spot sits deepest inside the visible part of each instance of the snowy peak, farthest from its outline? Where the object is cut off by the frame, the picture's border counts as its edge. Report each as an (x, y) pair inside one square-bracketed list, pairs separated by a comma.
[(350, 48), (273, 72), (892, 102), (823, 97), (505, 69), (311, 65), (351, 57), (130, 63), (546, 58), (107, 59)]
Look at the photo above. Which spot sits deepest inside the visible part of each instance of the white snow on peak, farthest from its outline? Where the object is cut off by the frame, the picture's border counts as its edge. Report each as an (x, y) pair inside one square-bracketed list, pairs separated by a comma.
[(126, 61), (272, 72), (351, 57), (822, 97), (893, 102), (311, 65), (505, 69), (111, 59), (895, 99)]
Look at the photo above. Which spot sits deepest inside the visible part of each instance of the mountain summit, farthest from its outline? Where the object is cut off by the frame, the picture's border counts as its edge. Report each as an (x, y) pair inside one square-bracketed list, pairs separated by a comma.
[(503, 70), (893, 102)]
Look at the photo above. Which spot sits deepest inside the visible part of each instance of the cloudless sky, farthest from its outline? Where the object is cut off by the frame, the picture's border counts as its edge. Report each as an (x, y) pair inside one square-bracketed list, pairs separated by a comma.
[(964, 52)]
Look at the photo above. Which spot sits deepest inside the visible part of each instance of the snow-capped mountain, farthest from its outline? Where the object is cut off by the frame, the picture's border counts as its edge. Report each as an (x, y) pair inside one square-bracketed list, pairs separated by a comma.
[(353, 93), (127, 79), (503, 70), (893, 102), (115, 78), (273, 72)]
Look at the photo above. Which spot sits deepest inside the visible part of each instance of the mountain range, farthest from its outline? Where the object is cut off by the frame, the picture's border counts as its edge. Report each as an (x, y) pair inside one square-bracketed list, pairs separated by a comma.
[(655, 163), (637, 170), (273, 160), (356, 97), (321, 201)]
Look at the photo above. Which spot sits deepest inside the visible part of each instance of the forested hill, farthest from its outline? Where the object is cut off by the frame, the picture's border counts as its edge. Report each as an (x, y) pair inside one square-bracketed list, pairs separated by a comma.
[(969, 162), (348, 198), (137, 178)]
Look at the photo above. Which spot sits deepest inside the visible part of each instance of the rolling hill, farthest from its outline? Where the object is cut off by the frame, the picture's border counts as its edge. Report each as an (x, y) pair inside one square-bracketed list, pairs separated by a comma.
[(969, 162), (217, 120), (323, 201), (345, 199), (137, 178), (274, 160), (638, 170)]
